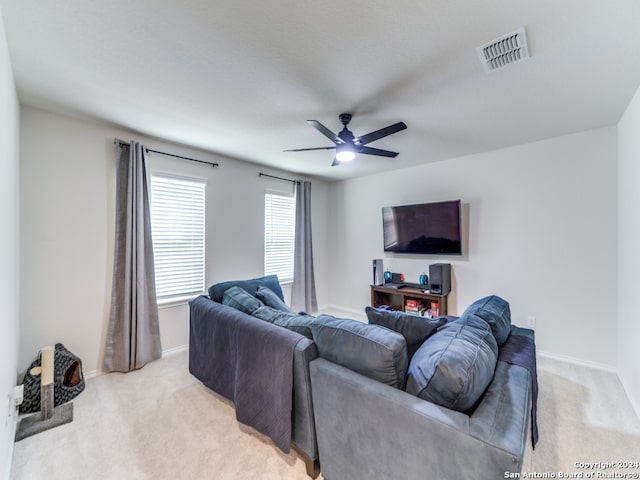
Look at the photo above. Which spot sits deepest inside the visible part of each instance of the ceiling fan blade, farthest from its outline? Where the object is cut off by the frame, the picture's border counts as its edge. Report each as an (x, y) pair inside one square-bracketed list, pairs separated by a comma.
[(326, 132), (335, 162), (383, 132), (308, 149), (377, 151)]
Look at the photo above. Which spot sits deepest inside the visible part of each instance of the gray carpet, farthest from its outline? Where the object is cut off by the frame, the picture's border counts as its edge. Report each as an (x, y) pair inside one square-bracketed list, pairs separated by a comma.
[(160, 423)]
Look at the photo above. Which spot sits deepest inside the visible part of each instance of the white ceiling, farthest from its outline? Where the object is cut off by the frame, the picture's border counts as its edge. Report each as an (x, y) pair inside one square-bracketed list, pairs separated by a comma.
[(241, 77)]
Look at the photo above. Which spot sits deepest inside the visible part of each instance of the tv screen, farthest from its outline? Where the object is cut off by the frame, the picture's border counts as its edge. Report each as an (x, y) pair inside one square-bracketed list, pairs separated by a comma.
[(427, 228)]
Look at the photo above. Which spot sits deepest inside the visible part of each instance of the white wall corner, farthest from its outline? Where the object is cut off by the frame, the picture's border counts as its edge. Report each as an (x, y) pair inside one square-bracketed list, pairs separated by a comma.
[(628, 260), (12, 420)]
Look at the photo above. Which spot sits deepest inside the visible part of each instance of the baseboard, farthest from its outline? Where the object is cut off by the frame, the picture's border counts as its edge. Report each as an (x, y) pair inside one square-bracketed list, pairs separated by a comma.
[(352, 312), (175, 350), (578, 361), (165, 353)]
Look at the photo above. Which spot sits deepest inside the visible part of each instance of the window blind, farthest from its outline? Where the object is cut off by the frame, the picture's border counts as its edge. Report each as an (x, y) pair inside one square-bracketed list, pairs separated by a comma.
[(279, 235), (177, 226)]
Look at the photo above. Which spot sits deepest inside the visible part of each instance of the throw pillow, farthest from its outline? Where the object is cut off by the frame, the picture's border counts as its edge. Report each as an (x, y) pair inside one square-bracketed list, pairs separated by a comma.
[(238, 298), (495, 311), (413, 328), (251, 286), (371, 350), (296, 322), (270, 298), (267, 313), (454, 367)]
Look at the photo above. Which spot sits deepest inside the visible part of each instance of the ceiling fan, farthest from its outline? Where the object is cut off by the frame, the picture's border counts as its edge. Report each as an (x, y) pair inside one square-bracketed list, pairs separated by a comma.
[(347, 145)]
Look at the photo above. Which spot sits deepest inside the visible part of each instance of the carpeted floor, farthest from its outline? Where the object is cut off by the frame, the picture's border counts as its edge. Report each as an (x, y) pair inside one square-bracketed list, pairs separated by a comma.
[(584, 417), (160, 423)]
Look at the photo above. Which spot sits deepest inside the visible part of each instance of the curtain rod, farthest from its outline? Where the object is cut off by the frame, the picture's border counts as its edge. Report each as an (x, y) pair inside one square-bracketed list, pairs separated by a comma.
[(117, 140), (277, 178)]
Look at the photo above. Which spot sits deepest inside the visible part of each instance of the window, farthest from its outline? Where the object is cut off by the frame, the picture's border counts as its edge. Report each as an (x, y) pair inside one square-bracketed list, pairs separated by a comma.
[(177, 226), (279, 235)]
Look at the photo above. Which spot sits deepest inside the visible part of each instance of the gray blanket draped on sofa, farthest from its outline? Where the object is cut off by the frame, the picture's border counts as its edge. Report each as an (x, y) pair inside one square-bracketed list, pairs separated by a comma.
[(259, 381), (521, 350)]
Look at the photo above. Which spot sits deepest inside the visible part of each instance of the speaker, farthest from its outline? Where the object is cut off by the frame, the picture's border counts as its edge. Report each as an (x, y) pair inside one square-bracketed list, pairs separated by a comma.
[(440, 278), (378, 272)]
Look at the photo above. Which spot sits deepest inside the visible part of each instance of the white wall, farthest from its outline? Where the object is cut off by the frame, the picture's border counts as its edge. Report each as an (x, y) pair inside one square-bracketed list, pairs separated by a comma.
[(68, 187), (9, 252), (541, 233), (629, 250)]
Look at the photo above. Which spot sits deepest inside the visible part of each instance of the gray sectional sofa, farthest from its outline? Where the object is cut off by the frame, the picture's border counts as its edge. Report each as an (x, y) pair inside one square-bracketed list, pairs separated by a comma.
[(401, 397), (367, 429)]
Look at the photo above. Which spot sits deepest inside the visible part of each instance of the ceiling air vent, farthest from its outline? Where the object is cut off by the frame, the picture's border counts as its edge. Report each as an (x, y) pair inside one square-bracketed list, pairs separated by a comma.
[(503, 51)]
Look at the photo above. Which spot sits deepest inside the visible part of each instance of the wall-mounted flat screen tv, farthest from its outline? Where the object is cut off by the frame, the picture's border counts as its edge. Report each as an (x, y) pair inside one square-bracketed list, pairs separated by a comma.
[(427, 228)]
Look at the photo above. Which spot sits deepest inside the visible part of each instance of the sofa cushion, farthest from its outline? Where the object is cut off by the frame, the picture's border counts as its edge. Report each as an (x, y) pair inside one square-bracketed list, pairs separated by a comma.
[(371, 350), (270, 298), (297, 322), (454, 366), (239, 298), (495, 311), (413, 328), (217, 290)]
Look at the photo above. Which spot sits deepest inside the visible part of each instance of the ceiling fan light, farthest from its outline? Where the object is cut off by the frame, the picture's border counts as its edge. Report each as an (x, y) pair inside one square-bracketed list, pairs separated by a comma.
[(345, 155)]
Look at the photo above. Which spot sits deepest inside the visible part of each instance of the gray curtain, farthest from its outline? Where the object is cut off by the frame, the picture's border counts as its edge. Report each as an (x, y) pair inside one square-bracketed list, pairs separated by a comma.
[(304, 284), (133, 338)]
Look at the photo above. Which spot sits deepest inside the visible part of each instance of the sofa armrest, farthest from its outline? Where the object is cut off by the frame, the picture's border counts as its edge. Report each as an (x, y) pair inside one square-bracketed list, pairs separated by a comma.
[(303, 435), (366, 429)]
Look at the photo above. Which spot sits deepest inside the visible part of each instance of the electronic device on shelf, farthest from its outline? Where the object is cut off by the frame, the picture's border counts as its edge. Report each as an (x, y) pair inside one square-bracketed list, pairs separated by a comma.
[(418, 286), (378, 272), (440, 274)]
